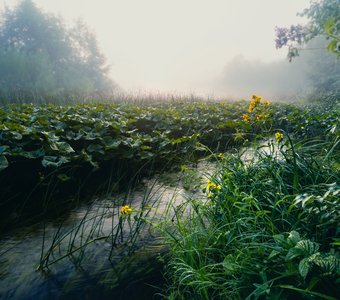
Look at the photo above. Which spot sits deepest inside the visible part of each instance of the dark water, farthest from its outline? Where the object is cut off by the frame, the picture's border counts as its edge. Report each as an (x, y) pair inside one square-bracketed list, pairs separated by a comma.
[(89, 273)]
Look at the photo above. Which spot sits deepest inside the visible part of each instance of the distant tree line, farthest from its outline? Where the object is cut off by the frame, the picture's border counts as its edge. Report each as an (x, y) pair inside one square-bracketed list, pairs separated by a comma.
[(41, 59)]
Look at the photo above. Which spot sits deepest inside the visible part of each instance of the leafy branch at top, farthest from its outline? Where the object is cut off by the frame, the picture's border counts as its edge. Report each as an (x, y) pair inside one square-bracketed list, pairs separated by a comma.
[(324, 20)]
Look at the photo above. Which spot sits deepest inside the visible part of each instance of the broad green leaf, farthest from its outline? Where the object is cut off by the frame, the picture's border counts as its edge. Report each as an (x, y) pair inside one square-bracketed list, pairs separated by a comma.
[(3, 149), (64, 147), (273, 254), (279, 239), (304, 267), (328, 264), (111, 143), (307, 247), (292, 253), (33, 154), (50, 136), (95, 148), (293, 238), (54, 146), (54, 161), (71, 135)]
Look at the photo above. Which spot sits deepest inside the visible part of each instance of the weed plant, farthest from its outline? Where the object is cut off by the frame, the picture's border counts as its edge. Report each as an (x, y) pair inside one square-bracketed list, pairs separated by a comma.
[(269, 228)]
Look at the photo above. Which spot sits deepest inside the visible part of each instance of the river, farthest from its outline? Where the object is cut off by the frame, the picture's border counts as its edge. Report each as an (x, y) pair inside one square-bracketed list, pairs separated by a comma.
[(73, 257)]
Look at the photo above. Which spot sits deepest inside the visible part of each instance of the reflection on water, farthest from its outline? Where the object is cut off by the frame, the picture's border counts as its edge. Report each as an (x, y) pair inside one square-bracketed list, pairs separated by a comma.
[(261, 150), (76, 248)]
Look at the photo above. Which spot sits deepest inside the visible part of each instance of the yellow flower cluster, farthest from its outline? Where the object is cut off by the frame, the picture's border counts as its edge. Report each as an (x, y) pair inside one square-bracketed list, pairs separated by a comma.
[(212, 186), (279, 136), (258, 110), (126, 210), (255, 101), (246, 118)]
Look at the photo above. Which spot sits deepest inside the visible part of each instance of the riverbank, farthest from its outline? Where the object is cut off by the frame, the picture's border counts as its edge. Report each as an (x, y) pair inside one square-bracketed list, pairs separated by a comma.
[(132, 173), (268, 228)]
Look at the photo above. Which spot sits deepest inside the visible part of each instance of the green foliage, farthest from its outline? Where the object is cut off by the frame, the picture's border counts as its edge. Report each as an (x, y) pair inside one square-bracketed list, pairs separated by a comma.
[(268, 226), (324, 16), (97, 132), (324, 20), (269, 232), (63, 148)]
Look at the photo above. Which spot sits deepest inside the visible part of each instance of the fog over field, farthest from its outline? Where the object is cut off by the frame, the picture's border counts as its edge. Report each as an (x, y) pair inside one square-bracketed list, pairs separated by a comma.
[(217, 48), (169, 149)]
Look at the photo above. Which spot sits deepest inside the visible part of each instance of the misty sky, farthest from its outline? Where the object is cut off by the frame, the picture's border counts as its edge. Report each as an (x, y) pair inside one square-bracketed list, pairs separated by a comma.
[(179, 45)]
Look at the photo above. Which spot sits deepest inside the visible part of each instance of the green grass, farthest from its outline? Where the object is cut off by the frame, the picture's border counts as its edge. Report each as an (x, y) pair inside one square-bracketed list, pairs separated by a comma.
[(270, 232)]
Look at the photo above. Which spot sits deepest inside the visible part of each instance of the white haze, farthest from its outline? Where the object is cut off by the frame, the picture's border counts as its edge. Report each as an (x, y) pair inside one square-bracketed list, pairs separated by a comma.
[(186, 46)]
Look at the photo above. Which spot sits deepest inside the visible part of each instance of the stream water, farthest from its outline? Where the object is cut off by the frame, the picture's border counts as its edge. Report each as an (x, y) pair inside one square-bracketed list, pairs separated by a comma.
[(74, 251)]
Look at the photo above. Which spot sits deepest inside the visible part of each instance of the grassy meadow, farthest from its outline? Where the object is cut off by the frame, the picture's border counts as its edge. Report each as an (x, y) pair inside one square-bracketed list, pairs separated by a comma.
[(268, 227)]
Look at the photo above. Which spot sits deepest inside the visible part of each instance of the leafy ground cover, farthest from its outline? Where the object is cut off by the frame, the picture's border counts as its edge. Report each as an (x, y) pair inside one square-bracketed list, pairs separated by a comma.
[(269, 226), (50, 153)]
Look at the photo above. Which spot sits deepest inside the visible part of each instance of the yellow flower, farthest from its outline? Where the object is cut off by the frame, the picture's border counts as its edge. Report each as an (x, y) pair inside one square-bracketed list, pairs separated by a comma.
[(279, 136), (256, 99), (126, 210), (267, 103), (246, 118), (212, 187), (209, 186), (220, 155), (252, 106), (210, 195)]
